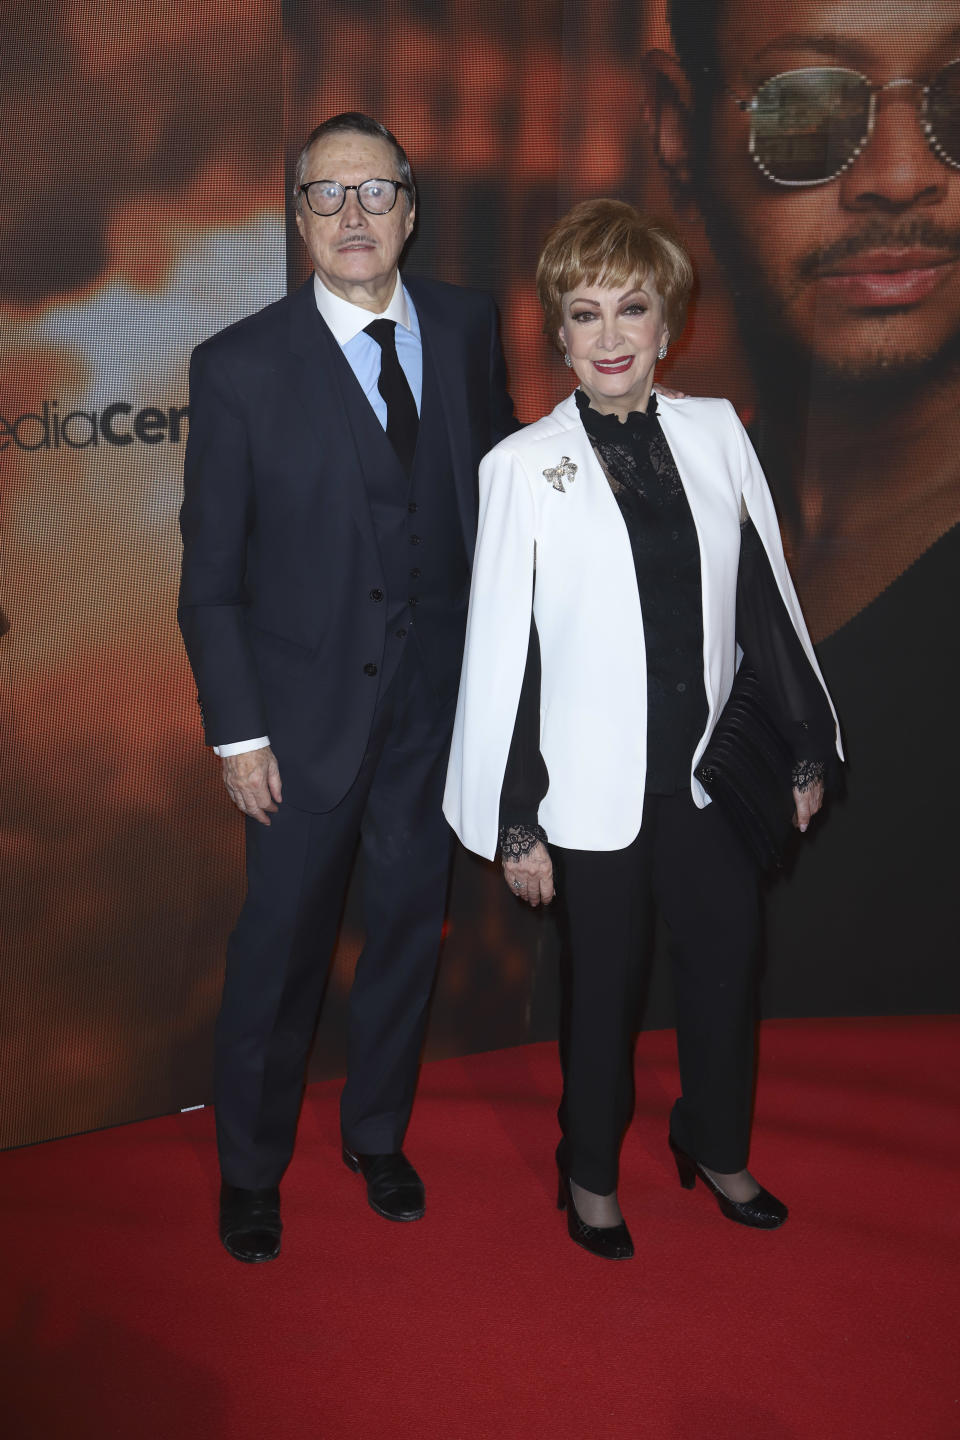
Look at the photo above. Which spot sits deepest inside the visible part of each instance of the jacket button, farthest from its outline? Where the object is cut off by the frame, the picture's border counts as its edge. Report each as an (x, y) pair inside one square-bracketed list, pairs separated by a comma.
[(376, 595), (369, 668), (412, 507), (415, 574), (400, 634)]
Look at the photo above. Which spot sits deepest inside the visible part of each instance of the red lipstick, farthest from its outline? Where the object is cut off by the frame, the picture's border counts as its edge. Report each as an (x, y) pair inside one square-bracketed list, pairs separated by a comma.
[(614, 367)]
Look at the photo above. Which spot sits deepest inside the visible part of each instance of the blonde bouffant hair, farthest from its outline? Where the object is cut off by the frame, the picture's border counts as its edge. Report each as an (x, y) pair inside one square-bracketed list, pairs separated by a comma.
[(607, 242)]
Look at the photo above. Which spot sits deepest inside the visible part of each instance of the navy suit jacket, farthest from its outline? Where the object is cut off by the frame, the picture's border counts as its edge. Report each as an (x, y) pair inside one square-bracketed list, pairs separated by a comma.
[(279, 551)]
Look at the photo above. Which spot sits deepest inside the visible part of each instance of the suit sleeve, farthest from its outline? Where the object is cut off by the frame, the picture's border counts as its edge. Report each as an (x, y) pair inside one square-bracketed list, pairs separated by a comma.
[(215, 522), (503, 420)]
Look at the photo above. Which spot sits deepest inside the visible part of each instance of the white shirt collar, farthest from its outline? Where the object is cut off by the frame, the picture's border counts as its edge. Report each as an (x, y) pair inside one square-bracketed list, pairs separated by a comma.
[(347, 320)]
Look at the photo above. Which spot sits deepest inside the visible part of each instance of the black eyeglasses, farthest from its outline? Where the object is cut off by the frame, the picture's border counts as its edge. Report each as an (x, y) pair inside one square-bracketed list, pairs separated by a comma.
[(377, 197), (808, 126)]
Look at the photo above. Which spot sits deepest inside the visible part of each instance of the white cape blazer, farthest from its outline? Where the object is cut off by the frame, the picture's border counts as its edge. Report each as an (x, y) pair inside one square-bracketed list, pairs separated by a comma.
[(593, 698)]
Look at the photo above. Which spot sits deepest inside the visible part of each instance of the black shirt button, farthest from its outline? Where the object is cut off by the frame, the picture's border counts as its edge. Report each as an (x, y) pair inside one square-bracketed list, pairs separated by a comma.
[(412, 600), (376, 595), (369, 668), (400, 634), (415, 574), (412, 507), (414, 539)]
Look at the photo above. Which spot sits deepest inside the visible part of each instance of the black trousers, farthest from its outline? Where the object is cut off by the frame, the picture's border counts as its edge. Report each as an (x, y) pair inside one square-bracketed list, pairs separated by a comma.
[(279, 953), (686, 863)]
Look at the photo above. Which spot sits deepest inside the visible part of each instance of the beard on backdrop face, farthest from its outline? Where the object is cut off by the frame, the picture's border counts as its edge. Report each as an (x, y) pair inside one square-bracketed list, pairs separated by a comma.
[(781, 356)]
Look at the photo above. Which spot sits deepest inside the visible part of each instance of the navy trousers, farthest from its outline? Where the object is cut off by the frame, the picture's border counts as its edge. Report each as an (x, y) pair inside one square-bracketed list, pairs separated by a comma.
[(279, 953)]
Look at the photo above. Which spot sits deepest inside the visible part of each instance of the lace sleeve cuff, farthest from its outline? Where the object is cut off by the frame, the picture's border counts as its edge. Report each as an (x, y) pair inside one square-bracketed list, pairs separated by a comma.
[(518, 840), (807, 773)]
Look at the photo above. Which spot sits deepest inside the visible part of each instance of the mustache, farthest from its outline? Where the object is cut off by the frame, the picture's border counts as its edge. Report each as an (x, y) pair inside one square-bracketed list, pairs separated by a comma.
[(881, 235)]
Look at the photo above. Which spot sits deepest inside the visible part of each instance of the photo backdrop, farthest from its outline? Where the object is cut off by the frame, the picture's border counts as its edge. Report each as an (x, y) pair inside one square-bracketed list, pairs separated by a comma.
[(143, 208)]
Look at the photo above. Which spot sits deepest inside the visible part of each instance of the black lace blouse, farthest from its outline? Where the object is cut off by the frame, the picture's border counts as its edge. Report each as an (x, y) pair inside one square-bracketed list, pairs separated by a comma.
[(643, 476)]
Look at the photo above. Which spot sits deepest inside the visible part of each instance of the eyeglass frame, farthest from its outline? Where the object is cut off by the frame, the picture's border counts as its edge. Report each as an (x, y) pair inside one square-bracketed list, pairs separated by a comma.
[(381, 179), (749, 107)]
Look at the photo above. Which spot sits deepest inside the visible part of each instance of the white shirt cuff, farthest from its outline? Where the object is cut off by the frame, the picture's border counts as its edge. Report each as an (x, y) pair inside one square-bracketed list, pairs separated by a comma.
[(240, 747)]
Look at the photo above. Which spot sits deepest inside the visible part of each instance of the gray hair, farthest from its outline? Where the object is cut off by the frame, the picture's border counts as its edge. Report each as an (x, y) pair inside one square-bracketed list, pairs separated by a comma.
[(356, 123)]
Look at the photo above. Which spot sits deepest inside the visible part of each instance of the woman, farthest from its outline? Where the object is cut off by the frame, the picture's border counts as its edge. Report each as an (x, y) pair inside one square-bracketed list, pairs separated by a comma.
[(620, 521)]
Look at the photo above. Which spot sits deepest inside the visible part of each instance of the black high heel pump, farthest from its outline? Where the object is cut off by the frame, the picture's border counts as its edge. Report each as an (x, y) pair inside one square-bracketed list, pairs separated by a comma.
[(610, 1242), (763, 1212)]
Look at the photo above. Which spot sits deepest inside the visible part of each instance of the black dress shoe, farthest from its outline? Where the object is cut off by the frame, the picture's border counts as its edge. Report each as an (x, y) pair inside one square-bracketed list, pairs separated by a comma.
[(763, 1212), (610, 1242), (250, 1223), (394, 1188)]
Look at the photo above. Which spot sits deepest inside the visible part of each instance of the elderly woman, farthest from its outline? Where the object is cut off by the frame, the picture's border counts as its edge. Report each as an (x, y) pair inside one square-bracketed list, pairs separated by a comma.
[(627, 545)]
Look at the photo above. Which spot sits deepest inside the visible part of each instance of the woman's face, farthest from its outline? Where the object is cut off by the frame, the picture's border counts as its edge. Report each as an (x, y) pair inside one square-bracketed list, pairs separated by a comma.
[(612, 335)]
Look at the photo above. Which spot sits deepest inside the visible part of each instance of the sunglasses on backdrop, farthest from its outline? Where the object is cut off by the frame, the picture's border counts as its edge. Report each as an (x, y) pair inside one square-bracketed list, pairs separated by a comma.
[(808, 126), (327, 197)]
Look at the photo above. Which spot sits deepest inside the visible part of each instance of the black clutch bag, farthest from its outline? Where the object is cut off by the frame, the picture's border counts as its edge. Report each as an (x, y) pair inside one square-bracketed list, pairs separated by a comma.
[(747, 769)]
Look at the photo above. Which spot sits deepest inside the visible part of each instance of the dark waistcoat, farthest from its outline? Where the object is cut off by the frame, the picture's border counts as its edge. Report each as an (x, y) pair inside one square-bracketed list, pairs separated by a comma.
[(422, 552)]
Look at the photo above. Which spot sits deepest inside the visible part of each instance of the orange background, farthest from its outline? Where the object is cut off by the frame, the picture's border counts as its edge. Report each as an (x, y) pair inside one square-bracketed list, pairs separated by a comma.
[(143, 209)]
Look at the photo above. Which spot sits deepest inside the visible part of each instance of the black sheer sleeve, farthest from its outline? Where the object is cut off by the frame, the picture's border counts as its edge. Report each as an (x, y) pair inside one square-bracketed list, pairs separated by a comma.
[(525, 781), (766, 634)]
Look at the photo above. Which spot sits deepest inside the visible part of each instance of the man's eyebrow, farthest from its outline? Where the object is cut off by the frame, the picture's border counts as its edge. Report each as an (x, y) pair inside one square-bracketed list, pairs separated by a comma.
[(833, 45)]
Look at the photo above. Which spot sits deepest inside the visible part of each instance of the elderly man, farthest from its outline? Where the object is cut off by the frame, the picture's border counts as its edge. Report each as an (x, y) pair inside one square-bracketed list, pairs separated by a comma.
[(328, 524), (820, 140)]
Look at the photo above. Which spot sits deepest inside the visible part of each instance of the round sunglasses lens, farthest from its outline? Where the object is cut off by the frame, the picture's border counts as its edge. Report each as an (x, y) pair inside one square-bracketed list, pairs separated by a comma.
[(943, 114), (809, 124)]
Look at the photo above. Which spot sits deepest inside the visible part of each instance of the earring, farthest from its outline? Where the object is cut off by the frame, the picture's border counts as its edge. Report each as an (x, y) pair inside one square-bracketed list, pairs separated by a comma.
[(662, 353), (566, 360)]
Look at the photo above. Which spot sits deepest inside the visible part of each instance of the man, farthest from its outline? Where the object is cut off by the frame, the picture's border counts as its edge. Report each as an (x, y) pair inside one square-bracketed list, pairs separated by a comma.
[(328, 523), (837, 217), (821, 142)]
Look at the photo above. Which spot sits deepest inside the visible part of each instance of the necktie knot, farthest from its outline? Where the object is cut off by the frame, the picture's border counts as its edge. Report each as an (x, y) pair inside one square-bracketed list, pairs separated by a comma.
[(384, 332)]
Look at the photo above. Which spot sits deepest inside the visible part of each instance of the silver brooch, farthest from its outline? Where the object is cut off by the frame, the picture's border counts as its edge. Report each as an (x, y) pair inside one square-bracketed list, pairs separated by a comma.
[(566, 470)]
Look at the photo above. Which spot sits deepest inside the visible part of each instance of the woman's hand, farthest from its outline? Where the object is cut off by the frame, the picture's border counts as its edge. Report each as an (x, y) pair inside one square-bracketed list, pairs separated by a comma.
[(807, 802), (531, 877)]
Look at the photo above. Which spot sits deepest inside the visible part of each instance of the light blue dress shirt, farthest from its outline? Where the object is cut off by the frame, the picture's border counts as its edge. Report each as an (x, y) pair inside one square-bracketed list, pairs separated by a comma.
[(362, 353)]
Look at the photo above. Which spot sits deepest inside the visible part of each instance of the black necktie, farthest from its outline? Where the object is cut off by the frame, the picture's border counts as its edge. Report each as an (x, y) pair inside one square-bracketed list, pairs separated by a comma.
[(402, 419)]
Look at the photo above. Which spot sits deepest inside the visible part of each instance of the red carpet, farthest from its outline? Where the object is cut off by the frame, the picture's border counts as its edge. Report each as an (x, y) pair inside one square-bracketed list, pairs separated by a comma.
[(125, 1318)]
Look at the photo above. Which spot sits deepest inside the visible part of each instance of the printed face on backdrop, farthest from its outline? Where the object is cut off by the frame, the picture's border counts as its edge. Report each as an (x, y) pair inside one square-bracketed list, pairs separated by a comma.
[(612, 335), (355, 253), (846, 215)]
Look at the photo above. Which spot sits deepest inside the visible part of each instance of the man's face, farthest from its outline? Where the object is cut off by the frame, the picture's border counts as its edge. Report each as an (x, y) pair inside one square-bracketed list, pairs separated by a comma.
[(864, 270), (354, 253)]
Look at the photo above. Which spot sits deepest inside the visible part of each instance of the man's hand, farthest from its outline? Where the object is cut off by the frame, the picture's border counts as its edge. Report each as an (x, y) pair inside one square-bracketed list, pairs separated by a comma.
[(670, 394), (808, 802), (531, 877), (253, 782)]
